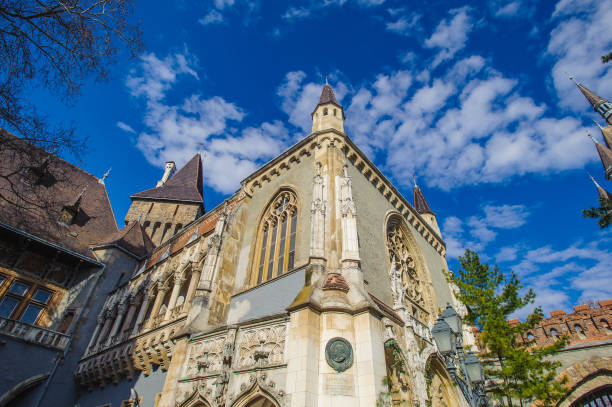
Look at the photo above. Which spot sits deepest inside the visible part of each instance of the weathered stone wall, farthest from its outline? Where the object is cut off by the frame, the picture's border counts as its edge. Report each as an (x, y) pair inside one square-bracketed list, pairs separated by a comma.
[(299, 178), (372, 210), (167, 214)]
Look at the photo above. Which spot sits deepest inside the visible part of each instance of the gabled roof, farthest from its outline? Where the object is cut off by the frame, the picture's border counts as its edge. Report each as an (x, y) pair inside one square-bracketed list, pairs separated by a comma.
[(420, 204), (185, 185), (606, 157), (40, 186), (606, 132), (132, 238)]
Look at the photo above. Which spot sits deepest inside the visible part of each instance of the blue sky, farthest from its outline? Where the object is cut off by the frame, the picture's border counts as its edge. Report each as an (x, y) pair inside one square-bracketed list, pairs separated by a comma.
[(471, 97)]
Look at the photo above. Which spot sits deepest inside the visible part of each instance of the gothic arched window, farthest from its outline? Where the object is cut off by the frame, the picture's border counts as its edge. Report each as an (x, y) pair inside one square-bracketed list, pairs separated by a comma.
[(275, 249), (406, 285)]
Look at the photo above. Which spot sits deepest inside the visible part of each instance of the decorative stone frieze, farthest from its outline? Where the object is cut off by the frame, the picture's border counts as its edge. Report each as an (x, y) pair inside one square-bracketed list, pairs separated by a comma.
[(261, 346)]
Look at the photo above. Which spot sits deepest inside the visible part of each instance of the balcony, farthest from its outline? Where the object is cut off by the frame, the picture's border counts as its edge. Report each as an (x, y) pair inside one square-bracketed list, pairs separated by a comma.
[(33, 334)]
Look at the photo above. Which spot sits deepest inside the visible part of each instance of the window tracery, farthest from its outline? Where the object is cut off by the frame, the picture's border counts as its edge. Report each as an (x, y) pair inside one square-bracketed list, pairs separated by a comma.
[(406, 282), (276, 238)]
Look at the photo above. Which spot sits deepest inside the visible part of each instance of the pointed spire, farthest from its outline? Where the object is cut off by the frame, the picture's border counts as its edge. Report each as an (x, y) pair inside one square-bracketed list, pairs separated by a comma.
[(186, 185), (101, 180), (600, 105), (602, 192), (420, 203), (327, 95), (605, 155), (606, 132)]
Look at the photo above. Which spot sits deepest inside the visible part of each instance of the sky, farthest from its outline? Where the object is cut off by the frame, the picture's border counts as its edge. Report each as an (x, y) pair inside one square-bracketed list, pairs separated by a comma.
[(473, 98)]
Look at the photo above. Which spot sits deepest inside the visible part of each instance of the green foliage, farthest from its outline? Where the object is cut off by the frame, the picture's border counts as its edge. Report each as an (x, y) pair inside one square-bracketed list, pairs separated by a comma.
[(603, 213), (384, 397), (606, 58), (521, 371)]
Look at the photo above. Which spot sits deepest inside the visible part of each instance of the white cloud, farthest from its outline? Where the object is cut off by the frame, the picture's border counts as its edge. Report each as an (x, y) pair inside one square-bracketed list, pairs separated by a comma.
[(552, 273), (294, 13), (451, 35), (125, 127), (477, 231), (507, 253), (510, 9), (175, 132), (582, 34), (213, 17), (405, 24)]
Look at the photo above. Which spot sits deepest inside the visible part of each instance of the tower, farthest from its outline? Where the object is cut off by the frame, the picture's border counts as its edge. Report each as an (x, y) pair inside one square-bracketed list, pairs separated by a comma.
[(605, 155), (176, 201), (421, 206), (328, 114)]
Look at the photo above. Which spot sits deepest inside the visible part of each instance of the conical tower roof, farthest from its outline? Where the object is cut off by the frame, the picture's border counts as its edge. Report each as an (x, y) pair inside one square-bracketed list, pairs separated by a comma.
[(328, 96), (185, 185), (420, 203), (132, 238), (606, 132), (593, 99), (602, 192), (605, 155)]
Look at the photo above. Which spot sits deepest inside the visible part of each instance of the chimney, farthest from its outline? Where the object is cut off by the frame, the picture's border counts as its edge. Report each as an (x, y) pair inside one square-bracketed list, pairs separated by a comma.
[(168, 172)]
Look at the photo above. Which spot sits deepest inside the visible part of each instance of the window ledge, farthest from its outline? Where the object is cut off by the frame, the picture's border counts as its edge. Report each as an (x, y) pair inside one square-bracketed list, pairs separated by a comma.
[(33, 334)]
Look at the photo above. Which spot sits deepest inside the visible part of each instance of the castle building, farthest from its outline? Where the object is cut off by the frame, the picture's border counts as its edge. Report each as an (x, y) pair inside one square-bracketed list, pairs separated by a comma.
[(307, 287), (315, 284)]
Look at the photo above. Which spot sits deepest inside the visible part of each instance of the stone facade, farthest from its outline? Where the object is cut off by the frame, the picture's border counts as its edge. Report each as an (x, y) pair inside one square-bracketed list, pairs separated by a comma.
[(242, 308)]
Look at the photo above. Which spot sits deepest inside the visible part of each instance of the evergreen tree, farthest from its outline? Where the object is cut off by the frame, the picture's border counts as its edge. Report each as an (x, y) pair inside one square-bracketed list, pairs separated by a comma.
[(603, 213), (521, 371), (606, 58)]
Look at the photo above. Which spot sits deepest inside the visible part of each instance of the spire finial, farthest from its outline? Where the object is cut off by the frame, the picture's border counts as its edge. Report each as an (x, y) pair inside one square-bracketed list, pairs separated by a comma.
[(592, 138), (571, 77), (597, 124), (106, 174), (414, 180), (326, 80)]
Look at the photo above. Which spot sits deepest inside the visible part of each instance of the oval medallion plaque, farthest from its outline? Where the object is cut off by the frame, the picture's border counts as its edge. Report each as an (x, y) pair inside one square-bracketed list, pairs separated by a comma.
[(339, 354)]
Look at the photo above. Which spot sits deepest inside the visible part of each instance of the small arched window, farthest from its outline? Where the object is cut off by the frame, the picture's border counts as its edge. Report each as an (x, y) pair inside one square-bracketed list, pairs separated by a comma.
[(554, 333), (275, 249), (530, 337), (606, 326), (324, 111), (579, 330), (335, 112)]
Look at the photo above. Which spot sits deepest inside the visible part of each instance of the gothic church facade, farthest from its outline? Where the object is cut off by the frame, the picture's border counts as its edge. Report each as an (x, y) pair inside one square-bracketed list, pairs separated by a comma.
[(307, 287)]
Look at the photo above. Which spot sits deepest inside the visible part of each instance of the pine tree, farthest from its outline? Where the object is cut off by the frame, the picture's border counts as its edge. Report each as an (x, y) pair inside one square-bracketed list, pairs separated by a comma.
[(606, 58), (521, 371), (603, 213)]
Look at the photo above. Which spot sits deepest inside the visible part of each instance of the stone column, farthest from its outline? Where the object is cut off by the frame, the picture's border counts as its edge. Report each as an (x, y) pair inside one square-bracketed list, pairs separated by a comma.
[(130, 314), (121, 309), (317, 215), (178, 279), (159, 298), (141, 313), (109, 314), (193, 283), (94, 337), (350, 243)]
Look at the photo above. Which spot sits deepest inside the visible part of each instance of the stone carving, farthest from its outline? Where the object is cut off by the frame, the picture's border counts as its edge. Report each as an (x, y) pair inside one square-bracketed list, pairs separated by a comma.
[(206, 357), (339, 354), (262, 346), (406, 284), (258, 383)]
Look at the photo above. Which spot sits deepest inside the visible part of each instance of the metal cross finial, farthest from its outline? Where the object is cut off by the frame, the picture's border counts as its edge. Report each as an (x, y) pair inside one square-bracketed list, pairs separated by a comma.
[(326, 80), (101, 180), (414, 180), (598, 125), (592, 138), (572, 78)]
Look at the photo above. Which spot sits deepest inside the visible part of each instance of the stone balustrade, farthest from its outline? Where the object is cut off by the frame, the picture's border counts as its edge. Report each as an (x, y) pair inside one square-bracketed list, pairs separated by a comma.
[(33, 334)]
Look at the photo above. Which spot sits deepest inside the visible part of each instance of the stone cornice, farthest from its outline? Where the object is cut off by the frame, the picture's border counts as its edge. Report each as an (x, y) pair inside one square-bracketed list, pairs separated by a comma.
[(334, 137)]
